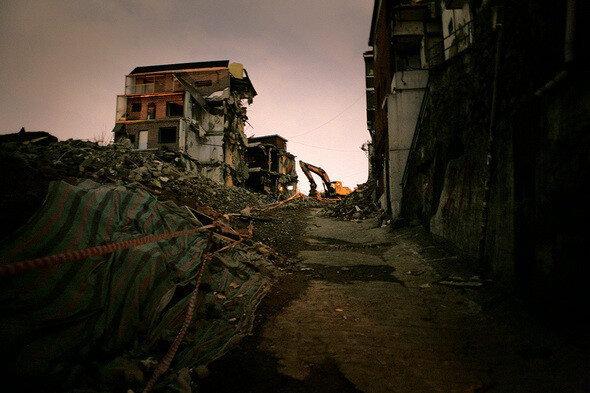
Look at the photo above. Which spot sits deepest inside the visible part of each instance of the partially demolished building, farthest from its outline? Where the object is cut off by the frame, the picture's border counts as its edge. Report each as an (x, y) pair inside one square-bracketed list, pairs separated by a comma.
[(271, 168), (198, 109)]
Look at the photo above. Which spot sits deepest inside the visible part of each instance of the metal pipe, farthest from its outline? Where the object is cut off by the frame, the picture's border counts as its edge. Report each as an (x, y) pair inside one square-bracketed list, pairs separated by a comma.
[(483, 265), (570, 27), (569, 54)]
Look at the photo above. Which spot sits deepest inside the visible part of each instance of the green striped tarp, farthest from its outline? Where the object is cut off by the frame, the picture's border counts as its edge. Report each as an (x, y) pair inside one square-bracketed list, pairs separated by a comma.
[(132, 300)]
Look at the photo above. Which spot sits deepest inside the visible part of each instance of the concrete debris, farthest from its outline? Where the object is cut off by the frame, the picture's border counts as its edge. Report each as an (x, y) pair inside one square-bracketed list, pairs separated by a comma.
[(120, 373), (164, 172), (356, 205)]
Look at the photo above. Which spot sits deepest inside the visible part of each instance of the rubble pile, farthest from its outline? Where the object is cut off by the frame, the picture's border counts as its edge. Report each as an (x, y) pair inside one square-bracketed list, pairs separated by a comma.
[(357, 205), (163, 172), (105, 322)]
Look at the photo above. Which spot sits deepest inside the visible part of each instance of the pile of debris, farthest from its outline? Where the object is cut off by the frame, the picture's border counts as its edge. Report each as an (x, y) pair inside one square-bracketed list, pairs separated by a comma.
[(169, 173), (357, 205), (105, 278)]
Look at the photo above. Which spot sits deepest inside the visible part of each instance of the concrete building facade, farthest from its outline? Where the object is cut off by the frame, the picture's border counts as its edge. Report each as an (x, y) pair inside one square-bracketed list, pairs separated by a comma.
[(495, 163), (194, 108)]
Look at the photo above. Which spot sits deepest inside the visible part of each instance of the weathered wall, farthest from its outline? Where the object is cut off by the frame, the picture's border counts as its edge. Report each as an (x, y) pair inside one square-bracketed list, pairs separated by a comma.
[(160, 102), (540, 161), (383, 73), (152, 126), (551, 197), (403, 107), (444, 190)]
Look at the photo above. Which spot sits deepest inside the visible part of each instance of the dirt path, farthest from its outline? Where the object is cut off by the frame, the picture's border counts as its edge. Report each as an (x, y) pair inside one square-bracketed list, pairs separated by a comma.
[(367, 309)]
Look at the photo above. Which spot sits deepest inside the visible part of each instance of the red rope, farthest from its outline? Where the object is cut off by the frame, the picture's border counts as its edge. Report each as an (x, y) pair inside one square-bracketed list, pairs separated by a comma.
[(69, 256), (167, 359)]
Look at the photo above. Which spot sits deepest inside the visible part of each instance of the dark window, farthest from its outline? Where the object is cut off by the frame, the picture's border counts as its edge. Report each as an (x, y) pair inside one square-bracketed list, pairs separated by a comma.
[(174, 109), (136, 107), (167, 135), (131, 138), (204, 83)]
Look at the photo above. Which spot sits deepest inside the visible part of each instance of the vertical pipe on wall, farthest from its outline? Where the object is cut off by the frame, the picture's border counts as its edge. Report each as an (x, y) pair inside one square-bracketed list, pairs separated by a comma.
[(483, 264), (570, 27)]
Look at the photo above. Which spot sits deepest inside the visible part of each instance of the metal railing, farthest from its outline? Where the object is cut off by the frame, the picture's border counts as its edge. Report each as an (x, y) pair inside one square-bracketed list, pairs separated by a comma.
[(449, 46), (145, 88), (153, 87)]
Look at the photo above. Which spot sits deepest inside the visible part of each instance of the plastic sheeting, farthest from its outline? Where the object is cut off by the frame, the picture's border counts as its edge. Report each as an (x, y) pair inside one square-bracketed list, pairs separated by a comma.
[(132, 300)]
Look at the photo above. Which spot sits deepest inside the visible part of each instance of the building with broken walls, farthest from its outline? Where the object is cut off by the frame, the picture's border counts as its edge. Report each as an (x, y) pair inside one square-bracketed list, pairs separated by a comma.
[(198, 109), (271, 168)]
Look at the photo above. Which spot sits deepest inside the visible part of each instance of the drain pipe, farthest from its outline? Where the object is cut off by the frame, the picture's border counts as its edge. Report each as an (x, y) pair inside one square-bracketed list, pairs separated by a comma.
[(483, 264), (569, 49)]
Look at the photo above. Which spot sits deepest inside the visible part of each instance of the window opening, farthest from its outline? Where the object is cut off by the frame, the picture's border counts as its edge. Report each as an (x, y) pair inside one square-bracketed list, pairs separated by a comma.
[(167, 135), (174, 109)]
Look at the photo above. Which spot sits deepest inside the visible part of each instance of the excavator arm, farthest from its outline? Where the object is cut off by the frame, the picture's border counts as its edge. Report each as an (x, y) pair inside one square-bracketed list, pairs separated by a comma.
[(307, 169), (332, 188)]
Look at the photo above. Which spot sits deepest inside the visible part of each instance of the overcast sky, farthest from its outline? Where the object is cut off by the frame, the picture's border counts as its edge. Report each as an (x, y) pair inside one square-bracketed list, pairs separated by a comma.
[(64, 62)]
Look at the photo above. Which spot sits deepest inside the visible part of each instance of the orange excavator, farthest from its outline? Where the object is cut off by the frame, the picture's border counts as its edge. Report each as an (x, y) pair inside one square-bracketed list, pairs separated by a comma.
[(333, 189)]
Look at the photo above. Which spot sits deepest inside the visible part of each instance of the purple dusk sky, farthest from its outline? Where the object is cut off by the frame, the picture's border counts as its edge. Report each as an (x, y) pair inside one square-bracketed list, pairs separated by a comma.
[(64, 62)]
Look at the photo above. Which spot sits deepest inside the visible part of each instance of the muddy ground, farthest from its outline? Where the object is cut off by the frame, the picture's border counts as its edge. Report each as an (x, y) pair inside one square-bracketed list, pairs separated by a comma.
[(284, 229), (387, 316)]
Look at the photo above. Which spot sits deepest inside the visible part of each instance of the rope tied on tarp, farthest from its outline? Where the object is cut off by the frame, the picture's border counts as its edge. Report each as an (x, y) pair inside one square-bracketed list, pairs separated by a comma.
[(167, 359), (127, 290), (70, 256)]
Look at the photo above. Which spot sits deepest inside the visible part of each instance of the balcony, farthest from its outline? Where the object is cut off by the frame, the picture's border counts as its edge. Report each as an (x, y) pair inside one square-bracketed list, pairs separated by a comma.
[(454, 43), (152, 85)]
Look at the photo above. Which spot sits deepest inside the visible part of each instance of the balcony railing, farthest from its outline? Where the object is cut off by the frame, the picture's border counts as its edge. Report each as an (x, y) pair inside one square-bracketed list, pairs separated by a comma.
[(146, 88), (454, 43), (154, 87)]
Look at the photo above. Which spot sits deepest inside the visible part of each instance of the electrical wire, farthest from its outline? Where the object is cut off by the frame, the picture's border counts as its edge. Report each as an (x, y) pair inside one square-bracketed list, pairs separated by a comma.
[(334, 118), (325, 148)]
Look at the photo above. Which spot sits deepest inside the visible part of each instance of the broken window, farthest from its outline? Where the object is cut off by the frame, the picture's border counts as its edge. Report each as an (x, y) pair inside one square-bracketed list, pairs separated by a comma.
[(174, 109), (136, 107), (167, 135)]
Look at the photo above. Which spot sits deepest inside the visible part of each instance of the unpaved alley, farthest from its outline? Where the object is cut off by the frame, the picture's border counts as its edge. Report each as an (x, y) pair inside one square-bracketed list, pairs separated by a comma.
[(365, 308)]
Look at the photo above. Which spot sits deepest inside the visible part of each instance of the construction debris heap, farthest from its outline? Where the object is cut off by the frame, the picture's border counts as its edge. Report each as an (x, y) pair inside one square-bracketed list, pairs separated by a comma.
[(120, 305)]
